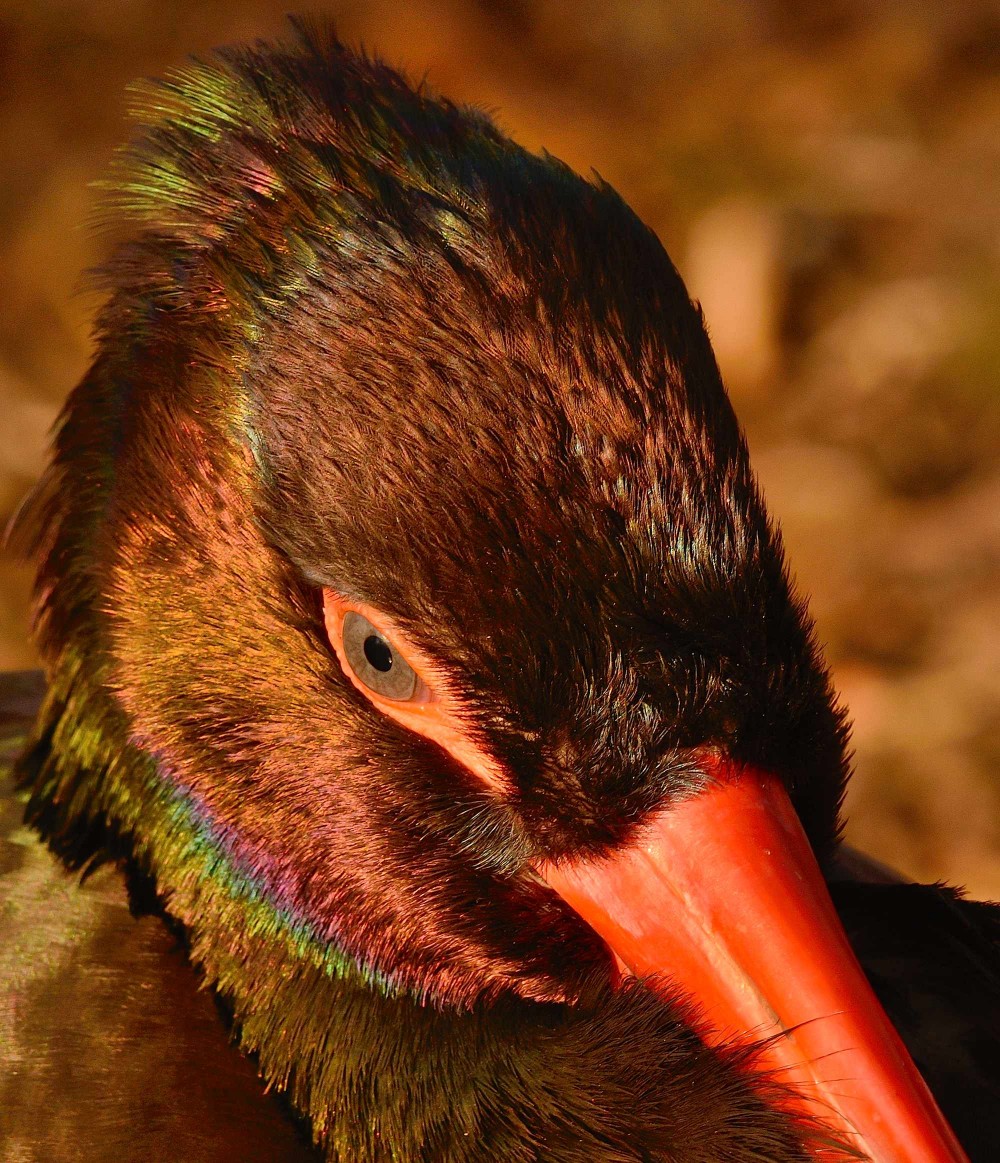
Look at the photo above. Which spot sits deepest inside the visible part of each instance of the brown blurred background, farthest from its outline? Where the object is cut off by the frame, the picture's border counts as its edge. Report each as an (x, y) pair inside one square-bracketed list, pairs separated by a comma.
[(825, 175)]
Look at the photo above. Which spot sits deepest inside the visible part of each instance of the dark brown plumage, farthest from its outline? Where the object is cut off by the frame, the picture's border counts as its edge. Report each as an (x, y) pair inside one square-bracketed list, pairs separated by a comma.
[(361, 342)]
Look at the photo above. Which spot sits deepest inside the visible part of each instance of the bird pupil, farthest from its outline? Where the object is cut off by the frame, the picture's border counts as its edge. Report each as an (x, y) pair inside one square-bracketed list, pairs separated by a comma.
[(378, 652)]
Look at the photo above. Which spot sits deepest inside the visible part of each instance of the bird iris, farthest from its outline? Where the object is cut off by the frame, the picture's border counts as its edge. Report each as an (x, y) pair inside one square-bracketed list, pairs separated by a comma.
[(371, 656)]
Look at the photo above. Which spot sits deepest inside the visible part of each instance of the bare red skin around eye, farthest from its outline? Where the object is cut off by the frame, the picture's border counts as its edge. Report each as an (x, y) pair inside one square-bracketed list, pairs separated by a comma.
[(433, 711)]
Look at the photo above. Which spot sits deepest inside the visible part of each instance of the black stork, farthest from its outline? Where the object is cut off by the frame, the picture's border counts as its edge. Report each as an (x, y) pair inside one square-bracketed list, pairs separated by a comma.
[(419, 647)]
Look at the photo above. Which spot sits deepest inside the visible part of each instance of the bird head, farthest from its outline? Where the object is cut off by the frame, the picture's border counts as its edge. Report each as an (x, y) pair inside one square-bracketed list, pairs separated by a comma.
[(400, 555)]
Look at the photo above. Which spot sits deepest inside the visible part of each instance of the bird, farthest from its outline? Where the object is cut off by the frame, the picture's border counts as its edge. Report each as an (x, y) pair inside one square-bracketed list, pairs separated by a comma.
[(420, 661)]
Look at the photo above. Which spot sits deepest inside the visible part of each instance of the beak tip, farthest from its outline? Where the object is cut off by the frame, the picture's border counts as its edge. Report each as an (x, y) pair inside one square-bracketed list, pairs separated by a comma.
[(721, 899)]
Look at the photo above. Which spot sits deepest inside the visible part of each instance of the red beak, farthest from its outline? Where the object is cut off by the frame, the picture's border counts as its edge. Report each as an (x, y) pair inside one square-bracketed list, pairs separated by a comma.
[(722, 898)]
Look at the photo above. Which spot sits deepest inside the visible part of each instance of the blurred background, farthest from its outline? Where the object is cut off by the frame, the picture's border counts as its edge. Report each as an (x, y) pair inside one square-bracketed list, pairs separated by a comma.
[(827, 178)]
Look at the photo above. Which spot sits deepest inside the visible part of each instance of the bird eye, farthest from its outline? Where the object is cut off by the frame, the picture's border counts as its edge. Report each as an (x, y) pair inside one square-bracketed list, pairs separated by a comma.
[(416, 694), (375, 661)]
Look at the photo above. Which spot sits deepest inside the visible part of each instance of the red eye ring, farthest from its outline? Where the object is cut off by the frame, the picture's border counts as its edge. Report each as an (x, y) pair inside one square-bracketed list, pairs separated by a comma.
[(335, 611), (435, 712)]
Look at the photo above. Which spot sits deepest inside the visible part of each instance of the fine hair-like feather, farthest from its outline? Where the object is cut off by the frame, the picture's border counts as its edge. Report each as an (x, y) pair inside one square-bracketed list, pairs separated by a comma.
[(359, 338)]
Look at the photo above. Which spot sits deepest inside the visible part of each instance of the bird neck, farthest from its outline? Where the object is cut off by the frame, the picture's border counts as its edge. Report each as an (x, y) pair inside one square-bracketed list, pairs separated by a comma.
[(296, 1002)]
